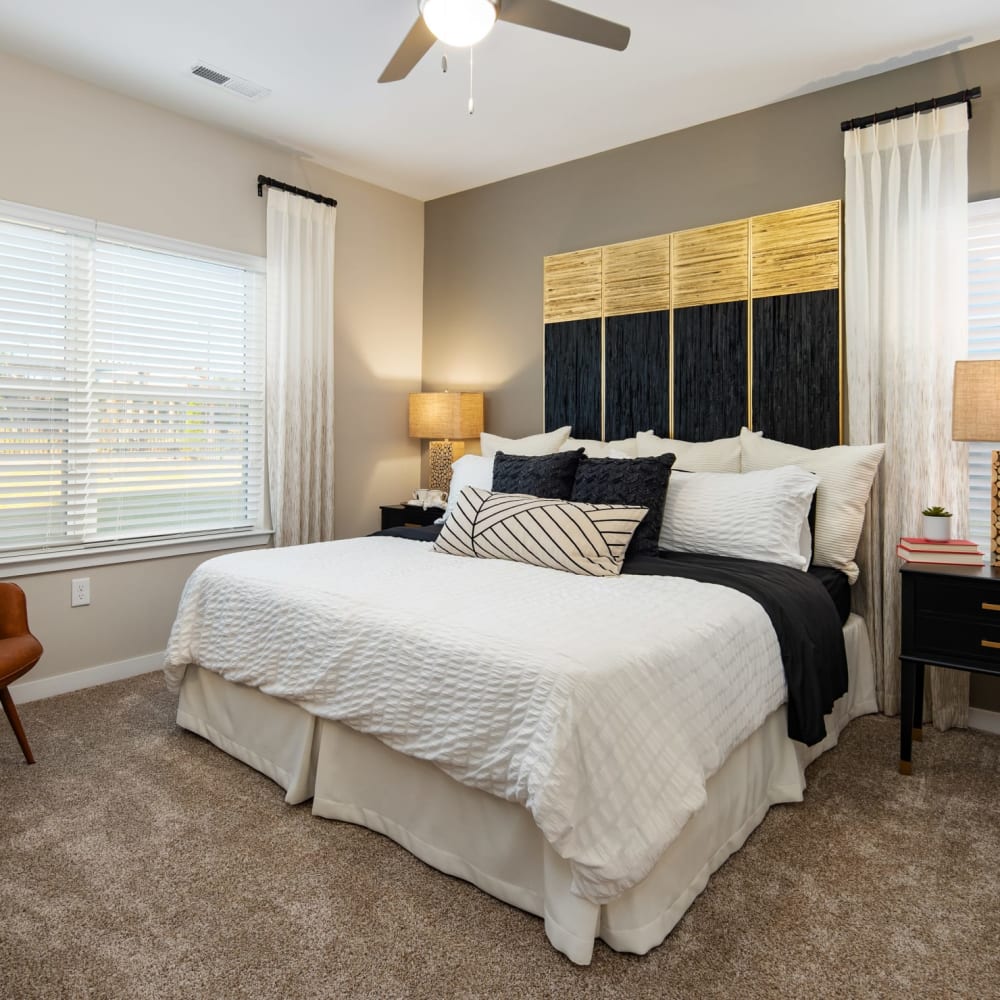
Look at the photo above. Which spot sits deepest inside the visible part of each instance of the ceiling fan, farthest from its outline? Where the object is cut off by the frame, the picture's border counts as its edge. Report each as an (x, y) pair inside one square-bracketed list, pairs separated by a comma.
[(462, 23)]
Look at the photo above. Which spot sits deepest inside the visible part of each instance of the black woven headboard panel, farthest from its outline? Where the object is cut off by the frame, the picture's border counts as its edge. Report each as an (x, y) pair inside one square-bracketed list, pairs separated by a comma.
[(710, 386), (573, 377), (796, 370), (636, 374)]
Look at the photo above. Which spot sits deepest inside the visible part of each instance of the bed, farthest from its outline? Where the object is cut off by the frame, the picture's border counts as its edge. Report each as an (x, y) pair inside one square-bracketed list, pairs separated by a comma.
[(589, 750), (426, 729)]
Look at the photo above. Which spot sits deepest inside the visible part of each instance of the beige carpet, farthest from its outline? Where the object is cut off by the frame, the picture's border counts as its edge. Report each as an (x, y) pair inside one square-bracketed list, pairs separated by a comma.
[(136, 860)]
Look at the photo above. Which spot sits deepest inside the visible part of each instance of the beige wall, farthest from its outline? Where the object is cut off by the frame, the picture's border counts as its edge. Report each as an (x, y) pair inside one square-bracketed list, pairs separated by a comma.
[(484, 248), (132, 608), (73, 147)]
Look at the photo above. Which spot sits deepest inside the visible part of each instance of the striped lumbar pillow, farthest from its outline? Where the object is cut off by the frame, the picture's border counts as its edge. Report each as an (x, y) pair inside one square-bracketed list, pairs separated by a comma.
[(585, 538)]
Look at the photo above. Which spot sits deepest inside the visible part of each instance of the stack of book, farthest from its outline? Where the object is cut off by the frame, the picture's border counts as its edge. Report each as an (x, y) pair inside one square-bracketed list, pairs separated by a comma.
[(957, 552)]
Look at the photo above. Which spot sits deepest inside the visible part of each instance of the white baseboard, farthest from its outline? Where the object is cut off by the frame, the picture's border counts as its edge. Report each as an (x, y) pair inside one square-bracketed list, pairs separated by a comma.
[(26, 690), (980, 718)]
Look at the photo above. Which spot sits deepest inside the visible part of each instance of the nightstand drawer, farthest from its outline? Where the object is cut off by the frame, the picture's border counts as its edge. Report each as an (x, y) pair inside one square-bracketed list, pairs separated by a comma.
[(965, 598), (956, 638)]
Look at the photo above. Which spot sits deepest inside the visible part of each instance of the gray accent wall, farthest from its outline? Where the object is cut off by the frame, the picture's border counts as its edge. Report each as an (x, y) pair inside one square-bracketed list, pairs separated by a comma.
[(483, 248)]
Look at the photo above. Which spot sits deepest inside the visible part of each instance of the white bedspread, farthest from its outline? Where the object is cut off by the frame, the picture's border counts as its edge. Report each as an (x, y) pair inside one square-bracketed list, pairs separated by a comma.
[(601, 705)]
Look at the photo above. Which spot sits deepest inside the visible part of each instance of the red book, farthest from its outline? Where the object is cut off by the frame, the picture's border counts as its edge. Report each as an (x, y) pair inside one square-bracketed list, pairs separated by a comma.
[(941, 558), (931, 545)]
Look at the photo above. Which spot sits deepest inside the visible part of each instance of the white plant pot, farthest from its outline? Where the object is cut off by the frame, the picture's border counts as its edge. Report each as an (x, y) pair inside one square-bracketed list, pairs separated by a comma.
[(937, 529)]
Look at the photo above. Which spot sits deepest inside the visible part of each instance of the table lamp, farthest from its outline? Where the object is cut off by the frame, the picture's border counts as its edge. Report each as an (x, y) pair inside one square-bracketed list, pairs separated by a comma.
[(445, 416), (975, 416)]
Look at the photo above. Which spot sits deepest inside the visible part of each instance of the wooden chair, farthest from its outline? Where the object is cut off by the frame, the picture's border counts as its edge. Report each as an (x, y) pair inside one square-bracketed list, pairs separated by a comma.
[(19, 652)]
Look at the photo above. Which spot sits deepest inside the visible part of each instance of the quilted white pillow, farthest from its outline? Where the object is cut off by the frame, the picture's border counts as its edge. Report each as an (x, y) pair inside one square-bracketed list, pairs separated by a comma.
[(469, 470), (721, 455), (589, 539), (535, 444), (753, 515), (624, 448), (845, 473)]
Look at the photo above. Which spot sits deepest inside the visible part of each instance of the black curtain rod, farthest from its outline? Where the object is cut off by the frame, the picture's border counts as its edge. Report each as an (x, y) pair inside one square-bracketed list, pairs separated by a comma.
[(281, 186), (961, 97)]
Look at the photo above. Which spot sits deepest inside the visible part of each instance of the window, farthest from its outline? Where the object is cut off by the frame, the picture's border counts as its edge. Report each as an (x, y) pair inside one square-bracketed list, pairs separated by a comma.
[(984, 343), (131, 387)]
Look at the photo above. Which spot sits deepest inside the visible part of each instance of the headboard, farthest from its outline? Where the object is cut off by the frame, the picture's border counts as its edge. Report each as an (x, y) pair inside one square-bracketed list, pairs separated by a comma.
[(696, 333)]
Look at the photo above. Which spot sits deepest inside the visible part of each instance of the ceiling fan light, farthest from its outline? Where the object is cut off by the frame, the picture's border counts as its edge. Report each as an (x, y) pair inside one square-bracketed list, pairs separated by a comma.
[(459, 22)]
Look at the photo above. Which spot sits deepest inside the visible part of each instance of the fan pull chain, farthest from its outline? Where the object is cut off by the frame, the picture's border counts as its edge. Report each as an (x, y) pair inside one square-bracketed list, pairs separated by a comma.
[(472, 100)]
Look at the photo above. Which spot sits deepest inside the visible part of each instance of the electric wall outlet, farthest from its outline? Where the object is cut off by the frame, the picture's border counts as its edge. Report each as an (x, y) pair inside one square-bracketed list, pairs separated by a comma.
[(80, 592)]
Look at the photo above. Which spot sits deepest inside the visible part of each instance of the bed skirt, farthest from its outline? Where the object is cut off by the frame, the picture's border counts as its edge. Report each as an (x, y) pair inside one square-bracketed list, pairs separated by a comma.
[(493, 843)]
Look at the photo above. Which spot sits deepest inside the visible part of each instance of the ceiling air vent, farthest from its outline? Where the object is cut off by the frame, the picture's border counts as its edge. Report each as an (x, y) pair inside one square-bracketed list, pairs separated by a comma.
[(236, 84)]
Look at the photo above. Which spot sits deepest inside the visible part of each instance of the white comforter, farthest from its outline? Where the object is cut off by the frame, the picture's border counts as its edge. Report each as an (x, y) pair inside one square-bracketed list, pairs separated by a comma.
[(601, 705)]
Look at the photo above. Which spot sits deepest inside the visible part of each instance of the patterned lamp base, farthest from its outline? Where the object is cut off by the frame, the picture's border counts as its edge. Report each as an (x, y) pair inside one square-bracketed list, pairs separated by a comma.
[(442, 454), (995, 510)]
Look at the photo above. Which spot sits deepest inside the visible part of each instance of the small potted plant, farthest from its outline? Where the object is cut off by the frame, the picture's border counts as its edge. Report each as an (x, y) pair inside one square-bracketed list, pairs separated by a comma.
[(937, 524)]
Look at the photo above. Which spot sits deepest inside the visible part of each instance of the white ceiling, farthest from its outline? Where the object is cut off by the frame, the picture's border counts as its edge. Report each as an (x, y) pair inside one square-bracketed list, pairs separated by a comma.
[(540, 99)]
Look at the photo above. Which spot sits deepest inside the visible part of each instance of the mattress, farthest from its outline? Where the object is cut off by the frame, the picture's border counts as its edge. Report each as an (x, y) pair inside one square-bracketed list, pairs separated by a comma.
[(495, 844), (560, 742), (599, 705)]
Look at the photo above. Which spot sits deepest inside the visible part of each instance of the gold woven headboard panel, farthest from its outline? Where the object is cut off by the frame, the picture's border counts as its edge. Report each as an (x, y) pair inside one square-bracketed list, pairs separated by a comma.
[(711, 265), (636, 276), (573, 285), (796, 251)]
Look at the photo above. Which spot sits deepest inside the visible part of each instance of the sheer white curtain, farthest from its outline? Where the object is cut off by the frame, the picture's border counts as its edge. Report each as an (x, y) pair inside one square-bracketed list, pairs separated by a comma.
[(906, 317), (300, 367)]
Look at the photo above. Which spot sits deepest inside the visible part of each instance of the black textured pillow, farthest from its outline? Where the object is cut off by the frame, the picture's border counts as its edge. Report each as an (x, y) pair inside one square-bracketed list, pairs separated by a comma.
[(548, 476), (641, 482)]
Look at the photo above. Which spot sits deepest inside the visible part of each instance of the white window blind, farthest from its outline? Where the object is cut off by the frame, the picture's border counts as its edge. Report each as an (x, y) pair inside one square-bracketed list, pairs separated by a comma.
[(131, 389), (984, 343)]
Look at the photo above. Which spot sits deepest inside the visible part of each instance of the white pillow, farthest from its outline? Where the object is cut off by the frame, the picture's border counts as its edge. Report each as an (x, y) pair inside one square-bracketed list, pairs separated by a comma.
[(469, 470), (845, 472), (625, 448), (585, 538), (750, 515), (536, 444), (721, 455)]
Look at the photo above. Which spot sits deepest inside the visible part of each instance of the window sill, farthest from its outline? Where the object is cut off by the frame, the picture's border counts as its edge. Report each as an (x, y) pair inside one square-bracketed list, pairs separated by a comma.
[(53, 562)]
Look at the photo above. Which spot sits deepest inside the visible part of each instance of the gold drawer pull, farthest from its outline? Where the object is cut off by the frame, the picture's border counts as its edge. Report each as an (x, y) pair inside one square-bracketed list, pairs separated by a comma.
[(990, 607), (988, 644)]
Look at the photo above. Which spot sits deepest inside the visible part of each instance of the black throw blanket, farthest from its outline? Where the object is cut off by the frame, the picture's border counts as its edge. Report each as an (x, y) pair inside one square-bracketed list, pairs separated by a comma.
[(802, 613), (804, 618)]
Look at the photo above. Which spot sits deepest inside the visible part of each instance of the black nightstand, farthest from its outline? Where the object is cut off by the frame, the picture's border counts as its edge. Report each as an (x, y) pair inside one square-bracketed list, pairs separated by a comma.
[(402, 515), (950, 618)]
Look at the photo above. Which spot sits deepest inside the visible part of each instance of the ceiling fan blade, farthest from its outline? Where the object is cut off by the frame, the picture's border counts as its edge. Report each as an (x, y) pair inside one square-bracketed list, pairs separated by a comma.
[(558, 19), (414, 47)]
